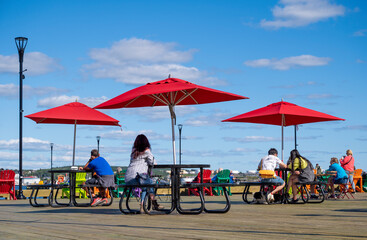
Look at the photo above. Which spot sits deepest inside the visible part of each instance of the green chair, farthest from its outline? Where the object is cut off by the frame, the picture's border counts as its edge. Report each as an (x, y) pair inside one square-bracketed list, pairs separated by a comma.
[(223, 177), (80, 179), (119, 179)]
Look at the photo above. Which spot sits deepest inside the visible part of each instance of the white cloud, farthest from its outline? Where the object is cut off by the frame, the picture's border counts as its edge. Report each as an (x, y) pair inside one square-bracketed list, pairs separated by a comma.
[(138, 61), (360, 33), (321, 96), (118, 134), (29, 143), (36, 63), (251, 139), (12, 91), (360, 61), (207, 120), (298, 13), (149, 114), (63, 99), (289, 62)]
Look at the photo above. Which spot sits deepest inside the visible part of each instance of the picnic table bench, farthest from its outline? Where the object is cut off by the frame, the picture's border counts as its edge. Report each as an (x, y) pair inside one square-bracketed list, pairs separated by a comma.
[(305, 191), (52, 197)]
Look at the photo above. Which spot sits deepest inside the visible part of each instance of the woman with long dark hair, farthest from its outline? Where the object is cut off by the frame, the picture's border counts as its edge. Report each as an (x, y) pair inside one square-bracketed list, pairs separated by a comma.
[(138, 171), (301, 171)]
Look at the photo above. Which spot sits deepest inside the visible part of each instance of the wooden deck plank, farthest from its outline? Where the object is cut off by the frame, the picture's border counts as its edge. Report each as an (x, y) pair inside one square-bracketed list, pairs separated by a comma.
[(333, 219)]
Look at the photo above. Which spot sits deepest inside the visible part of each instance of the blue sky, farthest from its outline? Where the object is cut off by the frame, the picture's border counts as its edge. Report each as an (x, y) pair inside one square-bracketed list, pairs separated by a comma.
[(308, 52)]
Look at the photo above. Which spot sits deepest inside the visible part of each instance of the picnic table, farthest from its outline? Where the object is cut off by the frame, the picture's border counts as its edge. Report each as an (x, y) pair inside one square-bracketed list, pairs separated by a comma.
[(53, 197), (175, 186)]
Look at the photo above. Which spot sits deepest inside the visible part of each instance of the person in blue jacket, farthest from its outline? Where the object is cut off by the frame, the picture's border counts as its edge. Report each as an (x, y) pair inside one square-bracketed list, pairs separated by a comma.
[(341, 176), (103, 176)]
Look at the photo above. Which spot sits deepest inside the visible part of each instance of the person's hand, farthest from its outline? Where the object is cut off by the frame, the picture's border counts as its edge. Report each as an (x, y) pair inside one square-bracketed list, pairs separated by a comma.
[(297, 172), (80, 168)]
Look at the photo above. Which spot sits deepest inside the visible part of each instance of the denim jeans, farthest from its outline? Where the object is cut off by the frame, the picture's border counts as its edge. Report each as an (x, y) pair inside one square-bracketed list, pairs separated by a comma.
[(350, 177), (276, 180), (144, 190)]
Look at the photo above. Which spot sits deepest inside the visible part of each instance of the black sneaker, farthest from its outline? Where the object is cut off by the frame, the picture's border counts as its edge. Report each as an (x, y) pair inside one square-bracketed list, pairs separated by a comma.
[(294, 201), (313, 196)]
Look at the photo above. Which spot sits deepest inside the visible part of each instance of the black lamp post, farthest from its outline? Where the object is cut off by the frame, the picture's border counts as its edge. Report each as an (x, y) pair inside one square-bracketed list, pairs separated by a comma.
[(98, 138), (52, 148), (180, 130), (52, 175), (21, 43)]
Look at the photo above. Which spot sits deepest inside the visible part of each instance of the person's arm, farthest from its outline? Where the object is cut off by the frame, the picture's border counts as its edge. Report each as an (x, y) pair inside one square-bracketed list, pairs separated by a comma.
[(86, 166), (150, 160), (282, 164), (259, 166)]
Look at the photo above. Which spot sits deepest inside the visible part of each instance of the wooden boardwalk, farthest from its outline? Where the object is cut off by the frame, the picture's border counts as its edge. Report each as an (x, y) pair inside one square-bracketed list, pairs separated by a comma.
[(333, 219)]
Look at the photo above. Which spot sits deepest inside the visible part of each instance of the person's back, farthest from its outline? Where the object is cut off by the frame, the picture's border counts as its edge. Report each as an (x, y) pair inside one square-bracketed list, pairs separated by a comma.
[(139, 164), (100, 166), (269, 162), (348, 161), (340, 172)]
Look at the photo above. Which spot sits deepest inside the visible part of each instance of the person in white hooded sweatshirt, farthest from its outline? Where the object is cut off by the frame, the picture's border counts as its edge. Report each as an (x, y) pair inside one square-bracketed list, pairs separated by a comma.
[(138, 171)]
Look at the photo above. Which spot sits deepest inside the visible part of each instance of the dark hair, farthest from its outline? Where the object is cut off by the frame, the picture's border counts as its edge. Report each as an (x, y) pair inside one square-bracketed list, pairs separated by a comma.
[(94, 153), (140, 145), (295, 154), (272, 151)]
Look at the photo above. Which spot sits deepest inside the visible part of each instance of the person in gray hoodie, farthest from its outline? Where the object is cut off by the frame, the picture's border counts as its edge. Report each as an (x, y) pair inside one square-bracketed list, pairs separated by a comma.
[(138, 171)]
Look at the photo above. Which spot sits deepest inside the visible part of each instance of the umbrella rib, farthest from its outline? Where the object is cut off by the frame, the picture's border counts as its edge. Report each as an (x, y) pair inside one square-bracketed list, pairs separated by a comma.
[(157, 98), (187, 95), (132, 100)]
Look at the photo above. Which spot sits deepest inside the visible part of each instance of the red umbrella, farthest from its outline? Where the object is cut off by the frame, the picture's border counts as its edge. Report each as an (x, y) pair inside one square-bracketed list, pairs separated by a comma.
[(283, 114), (169, 92), (73, 113)]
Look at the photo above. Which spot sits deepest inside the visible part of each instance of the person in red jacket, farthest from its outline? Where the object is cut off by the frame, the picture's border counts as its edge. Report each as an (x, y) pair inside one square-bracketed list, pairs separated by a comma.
[(347, 163)]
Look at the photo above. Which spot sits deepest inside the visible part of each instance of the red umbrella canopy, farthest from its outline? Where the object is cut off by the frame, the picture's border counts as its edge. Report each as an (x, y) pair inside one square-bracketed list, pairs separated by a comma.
[(273, 114), (73, 113), (171, 91)]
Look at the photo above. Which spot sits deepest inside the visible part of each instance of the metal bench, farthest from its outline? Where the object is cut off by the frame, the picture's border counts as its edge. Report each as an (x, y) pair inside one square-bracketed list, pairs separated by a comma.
[(127, 192), (34, 194), (305, 192), (208, 185), (264, 189)]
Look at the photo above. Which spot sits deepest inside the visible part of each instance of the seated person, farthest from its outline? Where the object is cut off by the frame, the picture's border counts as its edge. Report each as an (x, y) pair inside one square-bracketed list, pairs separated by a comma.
[(301, 171), (214, 179), (340, 178), (269, 163), (231, 177), (103, 176), (138, 171), (318, 169)]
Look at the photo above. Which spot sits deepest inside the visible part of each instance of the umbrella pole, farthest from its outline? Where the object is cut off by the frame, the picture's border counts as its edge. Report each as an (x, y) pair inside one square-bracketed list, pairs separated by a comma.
[(282, 136), (74, 143), (295, 137), (173, 123)]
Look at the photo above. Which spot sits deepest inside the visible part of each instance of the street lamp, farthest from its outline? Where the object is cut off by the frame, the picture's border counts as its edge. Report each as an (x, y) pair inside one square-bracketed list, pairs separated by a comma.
[(21, 43), (52, 148), (98, 138), (179, 130), (52, 175)]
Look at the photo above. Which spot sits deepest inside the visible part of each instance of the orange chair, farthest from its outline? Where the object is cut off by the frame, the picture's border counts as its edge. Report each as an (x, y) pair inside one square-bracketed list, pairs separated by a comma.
[(7, 183), (206, 179), (358, 178)]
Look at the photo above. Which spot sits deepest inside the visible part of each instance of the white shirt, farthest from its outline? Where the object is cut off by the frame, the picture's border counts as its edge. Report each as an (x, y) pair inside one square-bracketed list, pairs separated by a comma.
[(269, 162), (139, 165)]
